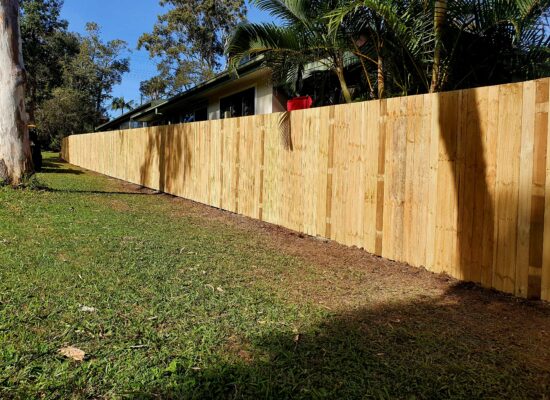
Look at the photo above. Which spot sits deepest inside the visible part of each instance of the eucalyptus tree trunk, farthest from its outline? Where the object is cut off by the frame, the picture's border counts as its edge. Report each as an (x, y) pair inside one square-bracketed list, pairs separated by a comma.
[(15, 151), (440, 14)]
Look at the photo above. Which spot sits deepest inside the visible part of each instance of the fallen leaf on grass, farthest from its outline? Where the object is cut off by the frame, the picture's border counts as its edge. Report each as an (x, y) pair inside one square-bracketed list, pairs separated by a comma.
[(220, 289), (87, 309), (139, 346), (73, 353)]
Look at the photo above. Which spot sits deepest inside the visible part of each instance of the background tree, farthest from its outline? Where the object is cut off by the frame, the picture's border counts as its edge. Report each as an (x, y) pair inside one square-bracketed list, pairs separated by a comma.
[(46, 48), (438, 45), (120, 104), (154, 89), (15, 152), (188, 40), (67, 112), (88, 78), (302, 38), (98, 67)]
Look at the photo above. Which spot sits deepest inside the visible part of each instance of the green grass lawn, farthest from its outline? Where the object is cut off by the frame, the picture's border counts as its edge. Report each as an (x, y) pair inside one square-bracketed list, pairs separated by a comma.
[(188, 306)]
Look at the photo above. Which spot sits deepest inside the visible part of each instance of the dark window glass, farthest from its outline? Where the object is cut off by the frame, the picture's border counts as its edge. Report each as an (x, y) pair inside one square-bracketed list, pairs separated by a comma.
[(201, 114), (238, 105)]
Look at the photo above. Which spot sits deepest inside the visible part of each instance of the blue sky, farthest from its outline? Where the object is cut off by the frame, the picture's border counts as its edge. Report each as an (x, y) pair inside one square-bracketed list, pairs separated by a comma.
[(127, 20)]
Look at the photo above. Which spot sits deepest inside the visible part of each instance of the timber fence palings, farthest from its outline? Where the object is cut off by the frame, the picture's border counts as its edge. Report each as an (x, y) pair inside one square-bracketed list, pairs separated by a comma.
[(457, 182)]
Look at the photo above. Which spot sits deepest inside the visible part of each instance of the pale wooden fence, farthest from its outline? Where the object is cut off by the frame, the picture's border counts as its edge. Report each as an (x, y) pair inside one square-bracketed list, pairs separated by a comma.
[(457, 182)]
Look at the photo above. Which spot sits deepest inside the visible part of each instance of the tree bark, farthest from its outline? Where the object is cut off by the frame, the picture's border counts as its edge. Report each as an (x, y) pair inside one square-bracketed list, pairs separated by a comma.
[(339, 70), (381, 78), (15, 151), (440, 15)]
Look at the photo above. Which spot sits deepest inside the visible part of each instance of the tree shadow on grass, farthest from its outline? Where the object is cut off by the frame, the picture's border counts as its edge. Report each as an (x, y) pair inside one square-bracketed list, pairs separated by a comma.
[(58, 166), (465, 344)]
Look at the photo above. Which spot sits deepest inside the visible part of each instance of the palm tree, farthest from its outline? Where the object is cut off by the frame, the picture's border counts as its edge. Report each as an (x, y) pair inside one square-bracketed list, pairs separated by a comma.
[(427, 46), (119, 103), (504, 40), (301, 39), (388, 36)]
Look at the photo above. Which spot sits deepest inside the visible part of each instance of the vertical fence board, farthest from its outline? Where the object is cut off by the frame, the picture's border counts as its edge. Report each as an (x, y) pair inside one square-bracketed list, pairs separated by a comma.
[(446, 204), (543, 116), (509, 128), (525, 185), (433, 129), (370, 151)]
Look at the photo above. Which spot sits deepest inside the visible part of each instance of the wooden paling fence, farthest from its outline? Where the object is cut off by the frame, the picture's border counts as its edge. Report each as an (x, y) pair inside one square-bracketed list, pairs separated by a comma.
[(458, 182)]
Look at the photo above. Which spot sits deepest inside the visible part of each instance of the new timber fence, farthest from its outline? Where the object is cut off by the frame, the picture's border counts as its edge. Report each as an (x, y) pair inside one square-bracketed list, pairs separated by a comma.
[(458, 182)]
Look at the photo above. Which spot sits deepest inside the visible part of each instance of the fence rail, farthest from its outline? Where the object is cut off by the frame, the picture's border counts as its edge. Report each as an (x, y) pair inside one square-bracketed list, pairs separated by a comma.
[(458, 182)]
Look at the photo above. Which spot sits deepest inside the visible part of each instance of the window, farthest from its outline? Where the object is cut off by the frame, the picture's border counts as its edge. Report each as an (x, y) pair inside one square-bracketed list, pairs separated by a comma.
[(201, 114), (239, 104)]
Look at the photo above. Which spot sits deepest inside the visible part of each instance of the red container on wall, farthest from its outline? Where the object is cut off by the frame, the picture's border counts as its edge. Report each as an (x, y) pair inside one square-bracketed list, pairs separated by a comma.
[(299, 103)]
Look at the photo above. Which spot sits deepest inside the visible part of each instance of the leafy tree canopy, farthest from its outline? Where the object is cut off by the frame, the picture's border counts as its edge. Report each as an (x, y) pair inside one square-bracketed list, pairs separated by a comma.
[(188, 40), (154, 89), (79, 102), (98, 67), (401, 46), (46, 47), (67, 112)]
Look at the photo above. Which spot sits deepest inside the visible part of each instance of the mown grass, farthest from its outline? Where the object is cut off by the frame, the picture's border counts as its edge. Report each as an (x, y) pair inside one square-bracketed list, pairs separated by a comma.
[(179, 315)]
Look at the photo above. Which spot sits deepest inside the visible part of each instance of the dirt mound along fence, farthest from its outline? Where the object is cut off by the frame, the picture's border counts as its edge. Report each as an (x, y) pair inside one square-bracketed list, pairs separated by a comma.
[(457, 182)]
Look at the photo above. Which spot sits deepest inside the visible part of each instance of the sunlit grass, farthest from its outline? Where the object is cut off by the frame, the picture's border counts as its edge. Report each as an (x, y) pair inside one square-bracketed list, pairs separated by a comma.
[(179, 315)]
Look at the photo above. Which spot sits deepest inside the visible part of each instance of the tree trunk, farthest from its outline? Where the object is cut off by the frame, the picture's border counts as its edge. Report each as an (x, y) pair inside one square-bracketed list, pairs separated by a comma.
[(381, 78), (343, 85), (15, 151), (440, 14)]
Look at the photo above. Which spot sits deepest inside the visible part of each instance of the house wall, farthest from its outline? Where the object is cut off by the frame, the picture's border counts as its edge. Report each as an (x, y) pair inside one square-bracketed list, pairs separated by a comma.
[(264, 94)]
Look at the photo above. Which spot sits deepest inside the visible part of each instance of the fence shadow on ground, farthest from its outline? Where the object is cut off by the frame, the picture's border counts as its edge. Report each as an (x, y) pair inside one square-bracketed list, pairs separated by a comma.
[(464, 344)]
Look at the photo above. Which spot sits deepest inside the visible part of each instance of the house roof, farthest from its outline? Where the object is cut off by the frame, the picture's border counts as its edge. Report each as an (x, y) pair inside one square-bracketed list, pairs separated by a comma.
[(127, 116), (151, 111)]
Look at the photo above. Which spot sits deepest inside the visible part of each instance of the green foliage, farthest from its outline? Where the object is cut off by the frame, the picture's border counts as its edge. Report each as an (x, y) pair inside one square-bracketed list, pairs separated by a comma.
[(69, 111), (188, 40), (47, 46), (290, 48), (472, 43), (69, 77), (77, 103), (120, 104), (154, 89), (402, 46), (97, 68)]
